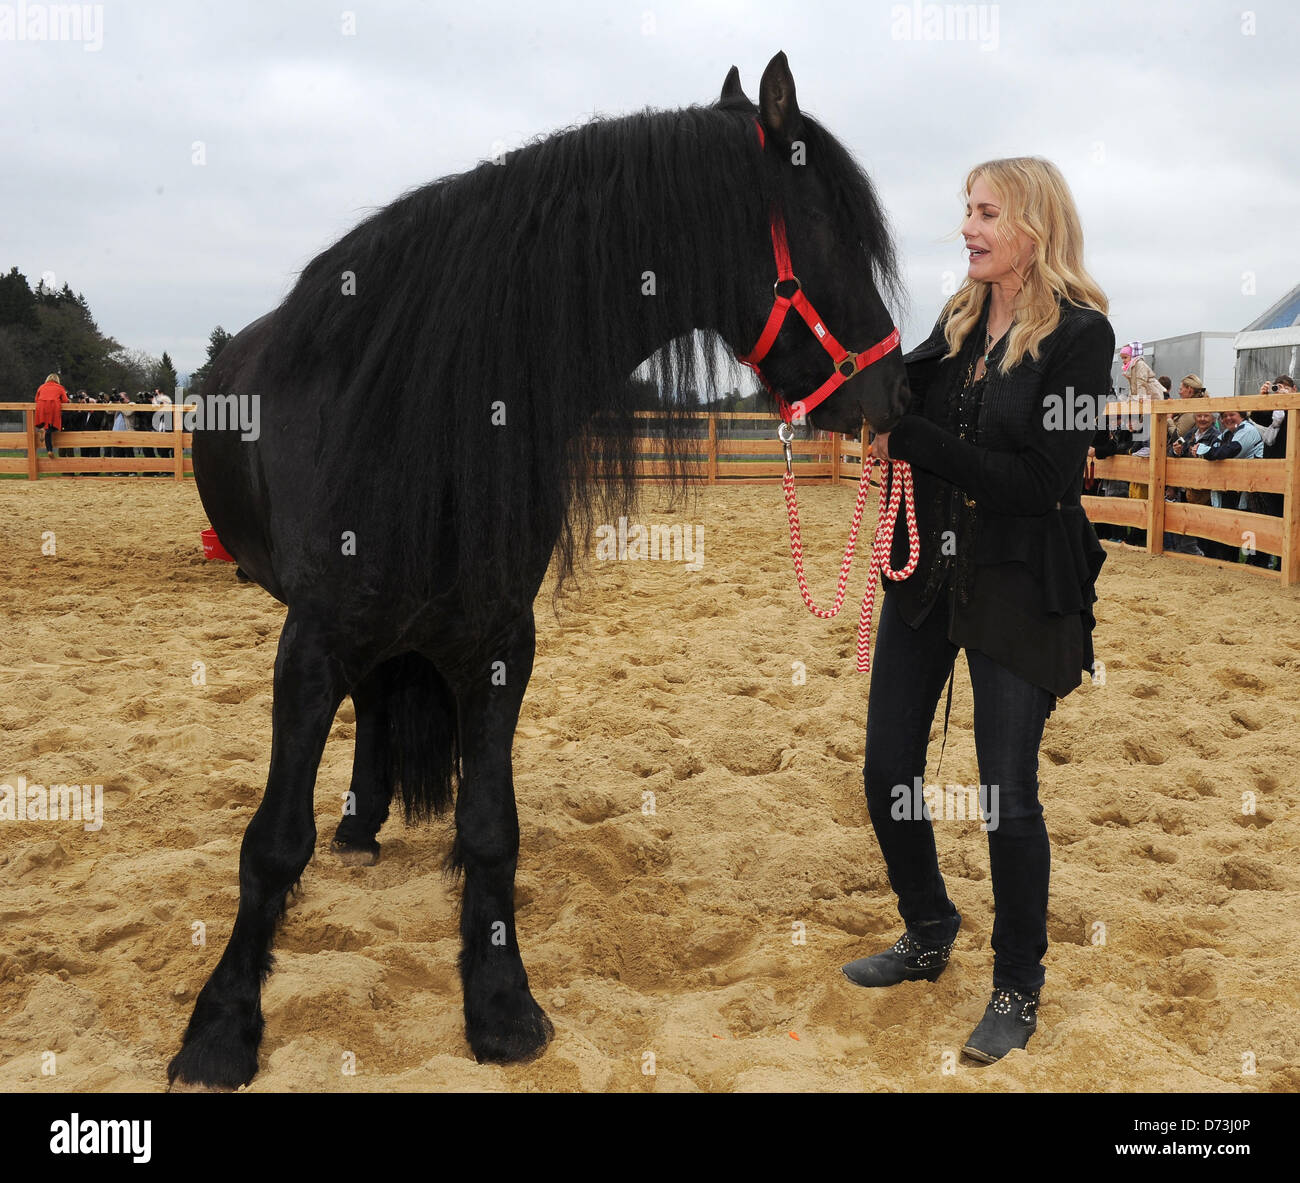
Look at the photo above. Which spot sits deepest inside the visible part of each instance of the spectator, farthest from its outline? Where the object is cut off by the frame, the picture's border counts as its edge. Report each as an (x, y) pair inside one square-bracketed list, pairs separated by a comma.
[(1190, 388), (122, 422), (162, 421), (97, 421), (1112, 441), (77, 420), (1181, 424), (1197, 442), (1272, 426), (1143, 384), (1144, 387), (50, 397), (1240, 440)]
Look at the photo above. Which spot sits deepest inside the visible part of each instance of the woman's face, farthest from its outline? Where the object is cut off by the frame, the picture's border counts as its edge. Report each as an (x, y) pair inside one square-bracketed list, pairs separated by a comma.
[(1204, 421), (1184, 391), (991, 258)]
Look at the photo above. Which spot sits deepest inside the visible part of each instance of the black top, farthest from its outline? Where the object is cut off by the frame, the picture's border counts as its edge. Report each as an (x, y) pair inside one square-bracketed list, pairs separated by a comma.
[(999, 463), (1263, 419)]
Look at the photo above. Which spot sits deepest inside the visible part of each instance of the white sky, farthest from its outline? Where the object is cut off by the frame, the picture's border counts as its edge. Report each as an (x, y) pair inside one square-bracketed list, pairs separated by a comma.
[(1176, 129)]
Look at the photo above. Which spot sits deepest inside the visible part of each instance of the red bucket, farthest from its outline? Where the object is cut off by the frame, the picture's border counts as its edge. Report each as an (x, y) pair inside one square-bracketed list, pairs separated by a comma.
[(212, 548)]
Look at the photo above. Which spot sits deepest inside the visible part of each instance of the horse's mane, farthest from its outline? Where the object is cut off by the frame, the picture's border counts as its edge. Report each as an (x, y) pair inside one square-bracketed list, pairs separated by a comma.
[(521, 282)]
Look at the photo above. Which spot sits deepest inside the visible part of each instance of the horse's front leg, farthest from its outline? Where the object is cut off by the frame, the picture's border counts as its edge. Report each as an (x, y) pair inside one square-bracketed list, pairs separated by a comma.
[(502, 1021), (220, 1045)]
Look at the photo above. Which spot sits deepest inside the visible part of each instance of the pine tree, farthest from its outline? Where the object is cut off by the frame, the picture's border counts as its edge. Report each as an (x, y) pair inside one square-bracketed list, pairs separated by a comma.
[(216, 343), (164, 377)]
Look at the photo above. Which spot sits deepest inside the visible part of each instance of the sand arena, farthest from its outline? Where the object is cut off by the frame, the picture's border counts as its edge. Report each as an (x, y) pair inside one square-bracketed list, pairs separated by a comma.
[(696, 855)]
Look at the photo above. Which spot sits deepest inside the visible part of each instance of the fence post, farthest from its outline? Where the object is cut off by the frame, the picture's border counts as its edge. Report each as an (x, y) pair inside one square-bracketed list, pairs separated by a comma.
[(713, 449), (1290, 562), (1156, 483), (836, 441), (29, 425), (178, 444)]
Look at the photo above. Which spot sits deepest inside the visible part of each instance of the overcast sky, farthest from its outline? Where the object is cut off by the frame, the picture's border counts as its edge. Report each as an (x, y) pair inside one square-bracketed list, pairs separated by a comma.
[(1176, 124)]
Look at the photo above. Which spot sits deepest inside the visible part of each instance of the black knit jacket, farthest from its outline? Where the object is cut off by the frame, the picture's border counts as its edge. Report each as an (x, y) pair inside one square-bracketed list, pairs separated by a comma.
[(1024, 559)]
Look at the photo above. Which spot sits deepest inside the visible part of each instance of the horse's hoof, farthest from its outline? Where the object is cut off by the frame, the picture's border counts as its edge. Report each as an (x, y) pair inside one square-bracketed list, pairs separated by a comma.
[(184, 1086), (356, 856), (220, 1055), (511, 1040)]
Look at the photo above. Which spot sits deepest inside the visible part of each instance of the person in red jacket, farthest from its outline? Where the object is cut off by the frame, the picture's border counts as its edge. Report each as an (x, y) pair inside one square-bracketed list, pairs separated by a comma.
[(50, 397)]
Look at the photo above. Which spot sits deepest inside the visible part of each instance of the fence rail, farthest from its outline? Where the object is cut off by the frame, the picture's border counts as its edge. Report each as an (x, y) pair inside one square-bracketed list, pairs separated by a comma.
[(720, 458), (1228, 525), (34, 465), (725, 457)]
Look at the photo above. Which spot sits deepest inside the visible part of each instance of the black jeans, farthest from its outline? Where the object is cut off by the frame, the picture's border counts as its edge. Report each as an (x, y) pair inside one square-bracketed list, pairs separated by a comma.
[(910, 667)]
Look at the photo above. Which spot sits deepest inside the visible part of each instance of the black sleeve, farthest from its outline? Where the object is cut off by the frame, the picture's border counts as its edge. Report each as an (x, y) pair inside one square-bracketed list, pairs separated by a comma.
[(1104, 445), (1223, 449), (1033, 480)]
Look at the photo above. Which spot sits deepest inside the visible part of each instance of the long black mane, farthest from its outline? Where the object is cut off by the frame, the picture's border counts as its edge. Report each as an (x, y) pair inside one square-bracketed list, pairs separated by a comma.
[(520, 283)]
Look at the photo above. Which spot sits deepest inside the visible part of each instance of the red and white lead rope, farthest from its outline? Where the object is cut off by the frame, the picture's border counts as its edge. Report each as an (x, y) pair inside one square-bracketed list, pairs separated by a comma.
[(900, 494)]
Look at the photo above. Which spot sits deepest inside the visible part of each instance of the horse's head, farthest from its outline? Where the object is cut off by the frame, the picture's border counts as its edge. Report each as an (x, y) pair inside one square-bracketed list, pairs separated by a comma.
[(840, 249)]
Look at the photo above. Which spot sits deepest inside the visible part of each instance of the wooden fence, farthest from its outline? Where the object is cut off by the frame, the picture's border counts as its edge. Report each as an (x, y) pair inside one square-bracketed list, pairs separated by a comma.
[(31, 441), (745, 456), (750, 454), (1231, 526)]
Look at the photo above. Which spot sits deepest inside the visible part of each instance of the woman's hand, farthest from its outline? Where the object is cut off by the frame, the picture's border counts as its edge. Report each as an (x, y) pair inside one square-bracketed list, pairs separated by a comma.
[(880, 445)]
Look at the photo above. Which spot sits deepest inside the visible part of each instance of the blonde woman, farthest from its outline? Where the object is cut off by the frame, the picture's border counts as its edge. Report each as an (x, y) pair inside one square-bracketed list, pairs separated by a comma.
[(1190, 387), (1008, 563)]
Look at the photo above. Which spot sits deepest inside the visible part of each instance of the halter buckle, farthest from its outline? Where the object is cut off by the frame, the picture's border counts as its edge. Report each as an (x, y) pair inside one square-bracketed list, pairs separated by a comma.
[(794, 279)]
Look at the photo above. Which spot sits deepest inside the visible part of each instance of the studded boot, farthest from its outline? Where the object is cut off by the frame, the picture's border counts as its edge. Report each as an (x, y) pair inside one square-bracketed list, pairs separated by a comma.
[(906, 961), (1009, 1020)]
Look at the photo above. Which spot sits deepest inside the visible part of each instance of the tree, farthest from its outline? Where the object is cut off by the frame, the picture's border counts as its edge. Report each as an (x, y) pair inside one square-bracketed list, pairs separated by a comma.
[(17, 303), (131, 370), (216, 343), (164, 376)]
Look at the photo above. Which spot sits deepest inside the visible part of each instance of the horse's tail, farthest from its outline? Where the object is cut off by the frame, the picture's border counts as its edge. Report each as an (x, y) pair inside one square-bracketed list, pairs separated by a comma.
[(419, 737)]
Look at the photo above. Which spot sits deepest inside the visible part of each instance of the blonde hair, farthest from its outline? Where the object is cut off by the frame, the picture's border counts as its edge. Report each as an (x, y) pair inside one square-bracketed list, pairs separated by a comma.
[(1195, 385), (51, 377), (1037, 202)]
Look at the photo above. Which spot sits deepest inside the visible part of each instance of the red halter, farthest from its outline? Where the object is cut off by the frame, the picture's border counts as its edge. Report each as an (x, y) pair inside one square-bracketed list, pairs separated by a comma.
[(846, 364)]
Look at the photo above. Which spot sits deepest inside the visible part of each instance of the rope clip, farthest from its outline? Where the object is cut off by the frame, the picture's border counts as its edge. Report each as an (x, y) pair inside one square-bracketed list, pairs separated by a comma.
[(785, 433)]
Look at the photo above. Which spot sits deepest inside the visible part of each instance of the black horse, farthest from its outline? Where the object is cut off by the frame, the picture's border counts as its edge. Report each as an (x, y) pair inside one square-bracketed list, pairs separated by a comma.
[(445, 403)]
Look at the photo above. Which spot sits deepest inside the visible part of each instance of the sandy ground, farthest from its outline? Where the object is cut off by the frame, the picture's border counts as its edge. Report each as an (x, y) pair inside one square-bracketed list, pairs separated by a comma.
[(672, 933)]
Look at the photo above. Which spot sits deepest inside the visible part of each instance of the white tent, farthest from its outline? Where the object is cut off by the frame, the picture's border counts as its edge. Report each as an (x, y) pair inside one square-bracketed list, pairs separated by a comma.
[(1269, 346)]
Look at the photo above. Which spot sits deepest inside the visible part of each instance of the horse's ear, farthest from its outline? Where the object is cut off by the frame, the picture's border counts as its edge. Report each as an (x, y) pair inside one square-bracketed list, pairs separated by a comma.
[(777, 106), (731, 88)]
